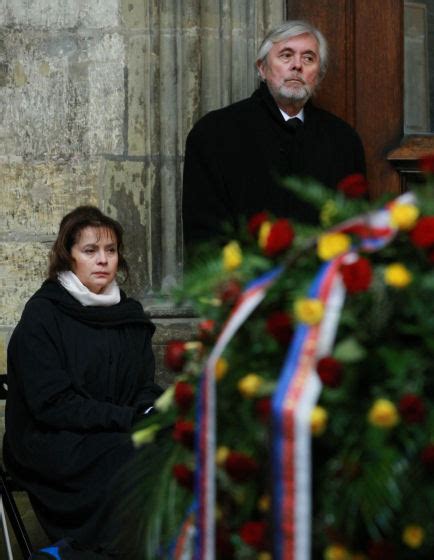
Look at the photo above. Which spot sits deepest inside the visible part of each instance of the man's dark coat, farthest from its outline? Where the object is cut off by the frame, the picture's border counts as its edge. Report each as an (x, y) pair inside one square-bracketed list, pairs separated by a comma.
[(76, 375), (235, 157)]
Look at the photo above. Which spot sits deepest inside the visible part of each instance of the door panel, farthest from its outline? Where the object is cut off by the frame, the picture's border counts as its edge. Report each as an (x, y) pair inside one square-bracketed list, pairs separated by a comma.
[(364, 84)]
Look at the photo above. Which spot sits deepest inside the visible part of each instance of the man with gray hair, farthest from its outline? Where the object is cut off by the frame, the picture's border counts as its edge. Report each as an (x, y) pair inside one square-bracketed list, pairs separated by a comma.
[(236, 156)]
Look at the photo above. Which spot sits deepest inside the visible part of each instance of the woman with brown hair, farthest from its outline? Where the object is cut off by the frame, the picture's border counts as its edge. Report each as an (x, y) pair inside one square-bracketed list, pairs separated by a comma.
[(80, 373)]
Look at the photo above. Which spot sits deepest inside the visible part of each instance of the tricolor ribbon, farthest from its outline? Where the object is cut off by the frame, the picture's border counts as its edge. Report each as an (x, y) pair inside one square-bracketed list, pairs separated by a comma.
[(251, 297), (205, 445), (375, 229), (299, 388), (182, 548), (296, 393)]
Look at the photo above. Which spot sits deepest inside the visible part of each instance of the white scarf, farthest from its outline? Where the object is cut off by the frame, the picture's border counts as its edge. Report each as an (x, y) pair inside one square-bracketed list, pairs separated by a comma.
[(110, 296)]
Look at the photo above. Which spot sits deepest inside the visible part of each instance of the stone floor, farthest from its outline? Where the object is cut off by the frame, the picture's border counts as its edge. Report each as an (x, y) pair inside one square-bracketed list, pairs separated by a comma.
[(36, 534)]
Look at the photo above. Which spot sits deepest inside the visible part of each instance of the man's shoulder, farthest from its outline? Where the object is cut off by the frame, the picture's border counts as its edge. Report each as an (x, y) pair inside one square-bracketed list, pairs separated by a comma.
[(239, 110)]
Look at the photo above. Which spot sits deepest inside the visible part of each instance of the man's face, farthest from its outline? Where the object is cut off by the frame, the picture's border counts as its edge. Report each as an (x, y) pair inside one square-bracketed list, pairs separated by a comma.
[(291, 69)]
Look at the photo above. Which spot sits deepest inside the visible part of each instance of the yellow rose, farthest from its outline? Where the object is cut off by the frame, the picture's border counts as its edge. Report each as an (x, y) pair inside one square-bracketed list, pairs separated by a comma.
[(264, 503), (221, 368), (330, 245), (232, 256), (221, 455), (397, 275), (413, 536), (264, 230), (404, 216), (336, 552), (250, 384), (383, 414), (309, 310), (318, 420), (264, 556)]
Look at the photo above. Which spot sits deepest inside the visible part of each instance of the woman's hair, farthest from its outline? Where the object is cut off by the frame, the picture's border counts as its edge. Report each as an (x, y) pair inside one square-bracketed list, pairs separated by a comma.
[(70, 228), (292, 29)]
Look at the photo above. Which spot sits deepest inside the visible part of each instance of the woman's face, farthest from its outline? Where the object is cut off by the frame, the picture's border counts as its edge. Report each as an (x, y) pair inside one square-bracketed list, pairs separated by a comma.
[(95, 257)]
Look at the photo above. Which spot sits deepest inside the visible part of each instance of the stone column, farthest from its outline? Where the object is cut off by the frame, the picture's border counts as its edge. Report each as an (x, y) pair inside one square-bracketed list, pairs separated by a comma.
[(198, 55)]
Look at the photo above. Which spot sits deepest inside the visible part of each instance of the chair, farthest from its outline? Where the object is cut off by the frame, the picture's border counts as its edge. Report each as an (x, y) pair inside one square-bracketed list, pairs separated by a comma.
[(8, 507)]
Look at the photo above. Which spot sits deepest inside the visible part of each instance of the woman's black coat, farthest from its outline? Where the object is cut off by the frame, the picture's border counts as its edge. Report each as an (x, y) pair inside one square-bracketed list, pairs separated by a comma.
[(76, 375)]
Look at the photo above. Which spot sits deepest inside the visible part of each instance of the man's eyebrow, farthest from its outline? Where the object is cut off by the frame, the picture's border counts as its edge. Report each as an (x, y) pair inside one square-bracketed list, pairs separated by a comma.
[(290, 50)]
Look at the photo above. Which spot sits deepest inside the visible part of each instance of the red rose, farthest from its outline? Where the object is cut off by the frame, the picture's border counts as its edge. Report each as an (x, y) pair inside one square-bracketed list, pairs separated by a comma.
[(381, 550), (174, 357), (330, 371), (184, 433), (427, 456), (353, 186), (263, 409), (279, 325), (206, 330), (184, 395), (255, 222), (422, 235), (279, 238), (426, 163), (230, 291), (254, 533), (357, 276), (412, 409), (183, 476), (240, 466)]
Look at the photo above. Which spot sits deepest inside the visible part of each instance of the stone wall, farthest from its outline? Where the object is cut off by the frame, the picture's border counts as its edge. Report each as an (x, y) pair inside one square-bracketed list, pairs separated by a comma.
[(96, 99)]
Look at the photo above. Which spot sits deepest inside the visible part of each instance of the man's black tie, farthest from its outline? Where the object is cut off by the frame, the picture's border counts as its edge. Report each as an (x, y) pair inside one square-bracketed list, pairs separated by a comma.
[(294, 123)]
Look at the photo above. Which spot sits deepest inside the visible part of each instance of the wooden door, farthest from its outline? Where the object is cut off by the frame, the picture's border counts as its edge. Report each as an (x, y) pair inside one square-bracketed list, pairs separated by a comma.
[(364, 83)]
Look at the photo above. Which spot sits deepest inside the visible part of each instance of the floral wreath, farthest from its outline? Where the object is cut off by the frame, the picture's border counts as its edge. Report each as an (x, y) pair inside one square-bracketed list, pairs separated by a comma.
[(373, 426)]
